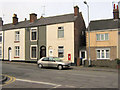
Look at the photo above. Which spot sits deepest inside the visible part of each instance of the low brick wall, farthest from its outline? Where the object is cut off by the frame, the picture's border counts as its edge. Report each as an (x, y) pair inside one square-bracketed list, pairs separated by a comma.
[(102, 63)]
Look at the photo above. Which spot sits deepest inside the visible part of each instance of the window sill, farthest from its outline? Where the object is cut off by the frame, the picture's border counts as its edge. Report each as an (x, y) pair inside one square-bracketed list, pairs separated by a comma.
[(33, 40), (16, 41), (101, 40), (33, 58), (16, 57), (103, 58)]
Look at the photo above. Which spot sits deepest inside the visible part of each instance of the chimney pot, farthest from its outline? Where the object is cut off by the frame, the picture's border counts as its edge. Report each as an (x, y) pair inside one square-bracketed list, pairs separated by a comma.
[(114, 6), (76, 11), (115, 12), (15, 19), (33, 17), (1, 22)]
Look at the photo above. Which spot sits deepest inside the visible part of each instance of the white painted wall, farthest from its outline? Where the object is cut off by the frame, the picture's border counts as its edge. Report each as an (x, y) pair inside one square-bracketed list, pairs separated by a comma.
[(9, 42), (68, 41)]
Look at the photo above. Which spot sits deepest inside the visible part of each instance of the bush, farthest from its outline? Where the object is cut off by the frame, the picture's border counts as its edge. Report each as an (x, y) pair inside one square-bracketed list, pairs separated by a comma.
[(118, 60)]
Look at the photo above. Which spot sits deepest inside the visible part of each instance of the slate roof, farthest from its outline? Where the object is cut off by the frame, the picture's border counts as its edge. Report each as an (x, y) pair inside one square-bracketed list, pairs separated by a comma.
[(41, 21), (104, 24)]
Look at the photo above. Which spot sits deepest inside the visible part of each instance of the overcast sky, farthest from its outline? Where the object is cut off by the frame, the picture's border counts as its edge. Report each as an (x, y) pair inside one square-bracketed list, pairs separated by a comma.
[(99, 9)]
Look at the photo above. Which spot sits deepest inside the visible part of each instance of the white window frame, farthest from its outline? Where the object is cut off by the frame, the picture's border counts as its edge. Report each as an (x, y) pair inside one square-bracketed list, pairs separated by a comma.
[(31, 51), (85, 54), (17, 36), (1, 37), (33, 30), (61, 30), (0, 52), (105, 49), (104, 39), (18, 51)]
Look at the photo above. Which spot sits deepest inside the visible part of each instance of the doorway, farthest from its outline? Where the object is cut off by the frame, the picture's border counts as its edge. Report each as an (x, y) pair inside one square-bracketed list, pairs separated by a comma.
[(9, 53), (42, 51)]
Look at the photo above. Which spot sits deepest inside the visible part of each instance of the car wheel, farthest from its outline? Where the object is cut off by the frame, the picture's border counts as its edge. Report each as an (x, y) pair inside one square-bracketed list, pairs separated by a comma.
[(60, 67), (40, 65)]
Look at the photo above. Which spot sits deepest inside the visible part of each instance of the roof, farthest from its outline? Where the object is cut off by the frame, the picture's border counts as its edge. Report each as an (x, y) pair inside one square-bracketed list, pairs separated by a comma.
[(104, 24), (41, 21)]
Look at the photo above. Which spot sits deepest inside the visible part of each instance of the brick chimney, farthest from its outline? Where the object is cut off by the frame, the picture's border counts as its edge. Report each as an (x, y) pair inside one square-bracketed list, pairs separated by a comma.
[(1, 22), (76, 11), (115, 12), (15, 19), (33, 17)]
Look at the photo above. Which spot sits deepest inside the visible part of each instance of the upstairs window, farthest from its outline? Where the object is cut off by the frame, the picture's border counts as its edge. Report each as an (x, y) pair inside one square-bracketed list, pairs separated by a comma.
[(60, 32), (17, 36), (33, 34), (61, 51), (0, 37), (102, 37)]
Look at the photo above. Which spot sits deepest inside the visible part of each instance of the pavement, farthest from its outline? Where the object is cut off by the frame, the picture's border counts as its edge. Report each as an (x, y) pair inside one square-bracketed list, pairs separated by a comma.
[(2, 79), (106, 69)]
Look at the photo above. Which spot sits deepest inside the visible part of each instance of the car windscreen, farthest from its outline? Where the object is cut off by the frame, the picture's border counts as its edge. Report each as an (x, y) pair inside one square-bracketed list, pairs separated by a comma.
[(57, 59)]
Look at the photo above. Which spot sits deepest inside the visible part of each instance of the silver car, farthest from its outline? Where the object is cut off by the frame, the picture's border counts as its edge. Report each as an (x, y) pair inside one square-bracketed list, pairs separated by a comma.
[(53, 62)]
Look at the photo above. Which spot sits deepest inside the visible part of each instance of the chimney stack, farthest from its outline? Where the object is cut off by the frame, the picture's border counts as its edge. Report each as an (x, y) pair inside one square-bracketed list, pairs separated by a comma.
[(1, 22), (76, 11), (33, 17), (15, 19), (115, 12)]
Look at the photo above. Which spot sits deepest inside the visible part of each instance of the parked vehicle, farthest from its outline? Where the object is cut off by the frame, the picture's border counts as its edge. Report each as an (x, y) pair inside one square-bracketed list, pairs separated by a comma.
[(53, 62)]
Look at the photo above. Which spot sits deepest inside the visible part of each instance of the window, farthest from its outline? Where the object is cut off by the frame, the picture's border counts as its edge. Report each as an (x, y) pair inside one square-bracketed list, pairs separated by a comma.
[(60, 32), (17, 36), (98, 53), (0, 37), (98, 37), (60, 51), (102, 37), (34, 52), (106, 36), (17, 51), (0, 52), (103, 54), (45, 59), (34, 34)]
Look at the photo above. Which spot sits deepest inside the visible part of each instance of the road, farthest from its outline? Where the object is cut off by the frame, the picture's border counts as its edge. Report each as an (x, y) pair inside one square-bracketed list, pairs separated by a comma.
[(30, 76)]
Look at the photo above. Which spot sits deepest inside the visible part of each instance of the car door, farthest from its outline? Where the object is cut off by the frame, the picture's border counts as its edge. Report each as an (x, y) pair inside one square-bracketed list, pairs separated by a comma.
[(52, 62), (44, 61)]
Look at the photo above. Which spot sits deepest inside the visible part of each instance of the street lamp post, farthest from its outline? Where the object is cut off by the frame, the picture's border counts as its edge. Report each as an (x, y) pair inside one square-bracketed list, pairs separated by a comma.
[(88, 34)]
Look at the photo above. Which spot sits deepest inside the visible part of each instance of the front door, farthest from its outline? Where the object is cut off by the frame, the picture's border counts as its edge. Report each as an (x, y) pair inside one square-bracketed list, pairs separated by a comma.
[(9, 53), (42, 51)]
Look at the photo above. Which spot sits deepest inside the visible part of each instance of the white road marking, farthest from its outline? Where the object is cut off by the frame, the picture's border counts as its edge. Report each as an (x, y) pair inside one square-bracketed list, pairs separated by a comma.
[(57, 86), (47, 83)]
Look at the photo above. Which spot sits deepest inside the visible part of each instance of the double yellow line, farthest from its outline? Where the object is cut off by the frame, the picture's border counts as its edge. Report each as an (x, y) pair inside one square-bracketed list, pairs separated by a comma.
[(11, 79)]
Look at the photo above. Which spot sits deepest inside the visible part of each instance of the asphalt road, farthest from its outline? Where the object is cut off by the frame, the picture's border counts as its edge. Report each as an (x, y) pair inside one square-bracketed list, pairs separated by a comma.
[(30, 76)]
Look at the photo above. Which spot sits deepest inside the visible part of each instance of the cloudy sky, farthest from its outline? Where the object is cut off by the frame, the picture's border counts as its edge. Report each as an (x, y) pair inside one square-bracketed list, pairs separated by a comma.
[(99, 9)]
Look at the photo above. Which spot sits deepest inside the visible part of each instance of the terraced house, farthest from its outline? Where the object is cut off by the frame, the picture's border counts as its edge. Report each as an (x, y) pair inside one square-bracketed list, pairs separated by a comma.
[(1, 39), (105, 38), (58, 36)]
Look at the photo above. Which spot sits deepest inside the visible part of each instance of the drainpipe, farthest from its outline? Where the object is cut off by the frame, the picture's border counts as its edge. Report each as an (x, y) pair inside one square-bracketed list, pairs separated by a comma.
[(38, 43), (3, 44)]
